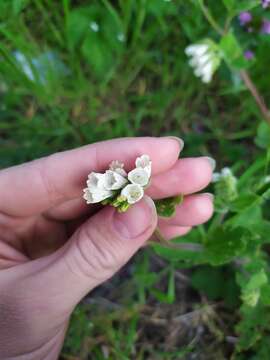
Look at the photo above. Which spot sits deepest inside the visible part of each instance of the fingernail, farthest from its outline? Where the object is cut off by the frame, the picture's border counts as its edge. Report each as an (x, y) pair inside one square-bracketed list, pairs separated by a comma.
[(211, 161), (180, 142), (136, 220), (211, 196)]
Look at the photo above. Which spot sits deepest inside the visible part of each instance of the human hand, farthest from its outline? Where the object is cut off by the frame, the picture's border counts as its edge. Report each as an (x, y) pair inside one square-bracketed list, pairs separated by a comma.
[(54, 248)]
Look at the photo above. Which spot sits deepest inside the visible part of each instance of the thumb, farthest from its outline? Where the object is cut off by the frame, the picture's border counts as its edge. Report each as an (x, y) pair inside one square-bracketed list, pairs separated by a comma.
[(100, 247)]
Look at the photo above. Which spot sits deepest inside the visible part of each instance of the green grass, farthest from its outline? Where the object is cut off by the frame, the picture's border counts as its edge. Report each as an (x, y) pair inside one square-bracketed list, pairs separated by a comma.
[(129, 78)]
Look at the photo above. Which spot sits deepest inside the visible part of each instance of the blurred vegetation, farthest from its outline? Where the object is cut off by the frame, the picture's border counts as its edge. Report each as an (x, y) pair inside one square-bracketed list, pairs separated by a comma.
[(76, 72)]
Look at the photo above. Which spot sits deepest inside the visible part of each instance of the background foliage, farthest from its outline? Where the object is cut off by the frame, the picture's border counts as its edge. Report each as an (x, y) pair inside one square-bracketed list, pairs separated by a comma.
[(76, 72)]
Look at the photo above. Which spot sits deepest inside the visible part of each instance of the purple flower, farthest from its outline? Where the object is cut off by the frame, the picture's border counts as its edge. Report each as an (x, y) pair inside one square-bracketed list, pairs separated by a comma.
[(265, 3), (249, 55), (245, 18), (265, 27)]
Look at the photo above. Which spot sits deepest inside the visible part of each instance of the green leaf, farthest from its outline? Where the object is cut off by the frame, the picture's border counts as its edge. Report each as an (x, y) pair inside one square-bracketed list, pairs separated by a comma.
[(244, 201), (18, 6), (216, 283), (262, 138), (222, 245), (229, 4), (232, 52), (247, 218), (236, 6), (166, 207)]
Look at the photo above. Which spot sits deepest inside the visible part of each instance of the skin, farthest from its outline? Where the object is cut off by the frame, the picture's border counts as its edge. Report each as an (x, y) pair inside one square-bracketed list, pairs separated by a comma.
[(54, 248)]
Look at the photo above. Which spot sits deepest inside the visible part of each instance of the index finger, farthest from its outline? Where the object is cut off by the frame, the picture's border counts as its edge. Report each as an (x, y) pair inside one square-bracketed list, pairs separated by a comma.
[(36, 186)]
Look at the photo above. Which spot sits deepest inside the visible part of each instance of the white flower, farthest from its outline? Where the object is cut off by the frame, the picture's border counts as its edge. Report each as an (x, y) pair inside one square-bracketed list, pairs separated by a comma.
[(132, 193), (116, 183), (96, 182), (121, 37), (216, 177), (113, 180), (224, 173), (145, 163), (93, 197), (96, 191), (139, 176), (196, 50), (204, 59), (118, 167), (94, 26)]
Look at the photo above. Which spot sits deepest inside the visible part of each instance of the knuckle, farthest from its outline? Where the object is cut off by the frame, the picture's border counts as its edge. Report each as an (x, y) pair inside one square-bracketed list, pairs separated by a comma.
[(96, 257), (44, 170)]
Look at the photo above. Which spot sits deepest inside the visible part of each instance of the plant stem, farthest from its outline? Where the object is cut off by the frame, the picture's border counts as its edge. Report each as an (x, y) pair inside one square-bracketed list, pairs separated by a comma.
[(256, 95), (210, 18), (181, 246)]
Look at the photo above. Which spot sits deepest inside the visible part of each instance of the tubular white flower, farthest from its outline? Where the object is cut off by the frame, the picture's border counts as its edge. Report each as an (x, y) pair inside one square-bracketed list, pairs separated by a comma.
[(139, 176), (133, 193), (196, 49), (96, 196), (205, 59), (96, 181), (197, 61), (226, 171), (113, 180), (216, 177), (145, 163), (207, 72), (118, 167)]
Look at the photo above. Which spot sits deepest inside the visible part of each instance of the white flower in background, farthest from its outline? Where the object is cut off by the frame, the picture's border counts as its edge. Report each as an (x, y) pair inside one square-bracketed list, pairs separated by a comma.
[(93, 197), (204, 59), (94, 26), (121, 37), (118, 167), (113, 180), (133, 193), (196, 49), (225, 172), (139, 176), (145, 163), (42, 67)]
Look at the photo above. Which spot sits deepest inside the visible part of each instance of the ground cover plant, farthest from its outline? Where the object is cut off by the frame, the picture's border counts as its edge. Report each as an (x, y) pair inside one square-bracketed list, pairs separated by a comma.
[(76, 72)]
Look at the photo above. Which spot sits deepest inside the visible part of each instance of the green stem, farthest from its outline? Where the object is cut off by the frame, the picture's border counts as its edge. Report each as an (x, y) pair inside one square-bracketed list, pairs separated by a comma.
[(181, 246), (210, 18)]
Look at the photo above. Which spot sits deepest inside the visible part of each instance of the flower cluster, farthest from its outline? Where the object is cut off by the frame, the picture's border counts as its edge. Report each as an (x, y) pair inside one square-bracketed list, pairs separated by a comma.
[(225, 188), (116, 187), (204, 59), (255, 23)]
